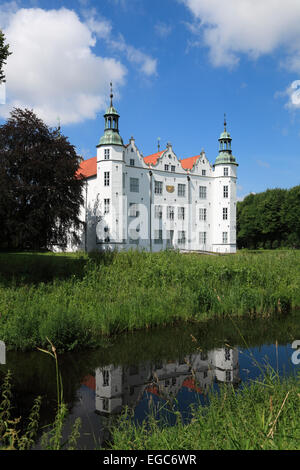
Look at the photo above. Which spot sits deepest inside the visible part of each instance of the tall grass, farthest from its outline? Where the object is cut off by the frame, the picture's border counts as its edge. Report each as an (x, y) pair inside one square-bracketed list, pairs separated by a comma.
[(15, 435), (108, 294), (261, 416)]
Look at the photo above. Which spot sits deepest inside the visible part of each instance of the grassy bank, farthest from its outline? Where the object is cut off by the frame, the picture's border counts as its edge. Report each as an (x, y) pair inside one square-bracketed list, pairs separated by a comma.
[(261, 416), (76, 300)]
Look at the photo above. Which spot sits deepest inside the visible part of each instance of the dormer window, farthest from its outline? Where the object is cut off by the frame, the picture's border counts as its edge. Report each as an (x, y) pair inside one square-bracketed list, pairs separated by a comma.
[(132, 162), (166, 167)]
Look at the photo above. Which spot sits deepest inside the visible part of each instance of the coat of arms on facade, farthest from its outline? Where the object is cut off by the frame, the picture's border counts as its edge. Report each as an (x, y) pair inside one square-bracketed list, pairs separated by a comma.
[(170, 189)]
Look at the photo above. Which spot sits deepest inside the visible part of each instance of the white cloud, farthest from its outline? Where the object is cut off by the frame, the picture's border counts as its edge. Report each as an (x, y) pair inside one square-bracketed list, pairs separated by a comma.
[(251, 27), (263, 164), (53, 69), (146, 63), (293, 93), (162, 29)]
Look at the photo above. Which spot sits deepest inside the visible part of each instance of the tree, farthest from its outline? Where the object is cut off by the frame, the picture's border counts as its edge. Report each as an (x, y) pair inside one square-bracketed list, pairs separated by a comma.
[(40, 194), (4, 53), (269, 219)]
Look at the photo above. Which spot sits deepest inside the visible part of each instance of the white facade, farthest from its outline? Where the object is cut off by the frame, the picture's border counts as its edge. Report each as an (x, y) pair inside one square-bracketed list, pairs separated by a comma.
[(157, 202)]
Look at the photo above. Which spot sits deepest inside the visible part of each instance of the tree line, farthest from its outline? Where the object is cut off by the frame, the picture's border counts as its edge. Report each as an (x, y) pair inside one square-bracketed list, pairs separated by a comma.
[(270, 219)]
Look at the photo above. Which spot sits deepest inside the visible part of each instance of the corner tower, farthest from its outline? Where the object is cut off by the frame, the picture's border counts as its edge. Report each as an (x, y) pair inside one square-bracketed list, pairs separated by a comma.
[(110, 169), (111, 131), (224, 201)]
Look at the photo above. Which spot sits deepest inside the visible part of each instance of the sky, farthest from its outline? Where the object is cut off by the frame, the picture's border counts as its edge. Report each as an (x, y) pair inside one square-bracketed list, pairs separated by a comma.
[(176, 66)]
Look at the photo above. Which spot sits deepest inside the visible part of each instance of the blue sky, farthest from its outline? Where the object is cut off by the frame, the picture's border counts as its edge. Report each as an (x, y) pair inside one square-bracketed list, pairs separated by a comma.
[(176, 65)]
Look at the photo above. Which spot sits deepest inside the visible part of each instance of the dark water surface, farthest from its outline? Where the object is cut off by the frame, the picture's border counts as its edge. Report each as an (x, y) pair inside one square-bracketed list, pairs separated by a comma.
[(166, 370)]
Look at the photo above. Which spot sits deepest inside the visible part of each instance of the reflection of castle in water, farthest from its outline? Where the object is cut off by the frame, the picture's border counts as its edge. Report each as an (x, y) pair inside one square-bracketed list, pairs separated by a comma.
[(118, 386)]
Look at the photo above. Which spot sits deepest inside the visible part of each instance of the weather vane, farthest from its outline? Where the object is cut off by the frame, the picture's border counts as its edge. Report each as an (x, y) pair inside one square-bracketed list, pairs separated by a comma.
[(158, 143), (111, 94)]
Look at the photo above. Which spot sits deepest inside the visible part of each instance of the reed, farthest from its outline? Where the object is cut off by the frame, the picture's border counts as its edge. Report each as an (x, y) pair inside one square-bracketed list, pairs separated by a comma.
[(101, 295), (14, 435), (263, 415)]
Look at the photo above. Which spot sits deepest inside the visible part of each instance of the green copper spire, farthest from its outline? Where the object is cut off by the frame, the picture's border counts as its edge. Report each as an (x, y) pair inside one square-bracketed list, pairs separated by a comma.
[(225, 153), (111, 132)]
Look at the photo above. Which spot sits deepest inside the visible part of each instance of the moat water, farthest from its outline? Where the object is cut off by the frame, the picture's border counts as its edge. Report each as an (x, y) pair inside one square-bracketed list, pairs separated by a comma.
[(158, 371)]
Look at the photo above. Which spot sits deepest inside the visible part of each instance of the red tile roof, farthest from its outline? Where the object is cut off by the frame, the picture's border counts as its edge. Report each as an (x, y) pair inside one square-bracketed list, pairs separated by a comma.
[(188, 163), (191, 384), (88, 168), (152, 159), (89, 381), (153, 389)]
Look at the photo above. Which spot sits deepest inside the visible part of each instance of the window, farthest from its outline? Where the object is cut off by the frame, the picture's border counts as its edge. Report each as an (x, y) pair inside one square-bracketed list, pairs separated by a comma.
[(106, 206), (202, 192), (134, 185), (158, 186), (106, 178), (225, 171), (202, 238), (132, 162), (225, 237), (181, 237), (170, 212), (202, 214), (106, 154), (228, 376), (225, 191), (105, 377), (227, 354), (203, 172), (181, 213), (105, 404), (166, 167), (173, 168), (133, 209), (181, 190), (158, 212), (158, 235), (225, 213), (170, 236)]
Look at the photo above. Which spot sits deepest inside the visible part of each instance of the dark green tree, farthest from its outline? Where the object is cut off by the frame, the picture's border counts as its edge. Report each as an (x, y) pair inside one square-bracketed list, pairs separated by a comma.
[(4, 53), (269, 219), (247, 223), (269, 213), (40, 195), (290, 216)]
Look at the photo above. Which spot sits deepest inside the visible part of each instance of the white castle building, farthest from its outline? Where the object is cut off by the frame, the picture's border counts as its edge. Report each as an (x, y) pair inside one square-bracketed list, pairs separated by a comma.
[(158, 201)]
